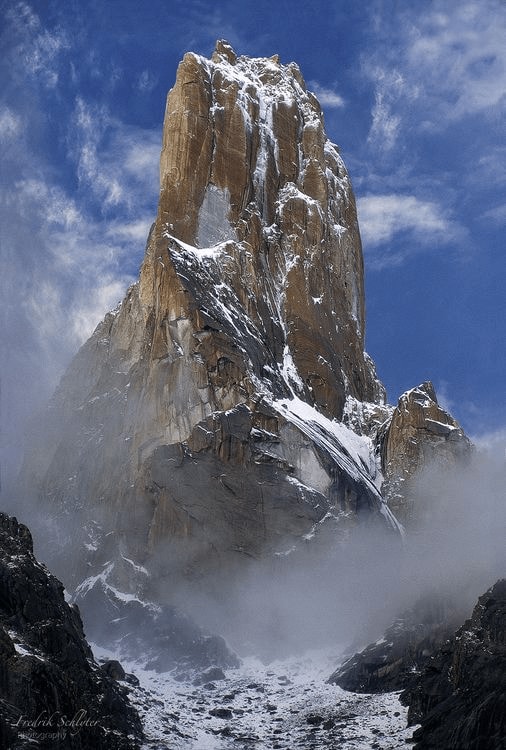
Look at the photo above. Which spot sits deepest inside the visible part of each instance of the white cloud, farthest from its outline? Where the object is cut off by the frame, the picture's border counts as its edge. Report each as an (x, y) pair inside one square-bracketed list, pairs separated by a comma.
[(391, 94), (493, 438), (135, 231), (38, 48), (10, 124), (496, 215), (146, 81), (90, 125), (437, 65), (457, 53), (141, 151), (119, 171), (446, 401), (90, 311), (63, 264), (326, 96), (421, 223), (385, 125), (59, 209), (42, 56), (490, 167), (383, 216)]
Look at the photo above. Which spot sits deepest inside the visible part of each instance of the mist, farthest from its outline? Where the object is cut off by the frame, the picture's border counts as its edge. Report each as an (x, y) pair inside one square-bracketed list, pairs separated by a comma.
[(344, 595), (325, 592)]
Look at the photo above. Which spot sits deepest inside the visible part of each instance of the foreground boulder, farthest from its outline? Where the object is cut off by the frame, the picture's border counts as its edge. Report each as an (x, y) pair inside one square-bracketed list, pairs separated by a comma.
[(460, 698), (52, 692)]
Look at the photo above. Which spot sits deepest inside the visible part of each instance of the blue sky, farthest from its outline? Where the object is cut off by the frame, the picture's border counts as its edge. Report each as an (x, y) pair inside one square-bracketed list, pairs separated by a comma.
[(414, 93)]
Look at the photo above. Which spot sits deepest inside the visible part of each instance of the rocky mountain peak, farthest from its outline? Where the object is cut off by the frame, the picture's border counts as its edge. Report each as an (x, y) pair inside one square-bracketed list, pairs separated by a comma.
[(419, 434), (247, 170), (226, 410), (226, 369)]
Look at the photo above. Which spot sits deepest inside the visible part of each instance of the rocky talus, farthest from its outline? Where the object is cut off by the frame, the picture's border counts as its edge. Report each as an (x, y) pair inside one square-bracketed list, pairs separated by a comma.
[(52, 692), (460, 697)]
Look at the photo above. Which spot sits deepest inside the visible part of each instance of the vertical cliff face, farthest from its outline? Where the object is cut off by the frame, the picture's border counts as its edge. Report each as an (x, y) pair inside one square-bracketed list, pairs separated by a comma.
[(246, 169), (202, 418)]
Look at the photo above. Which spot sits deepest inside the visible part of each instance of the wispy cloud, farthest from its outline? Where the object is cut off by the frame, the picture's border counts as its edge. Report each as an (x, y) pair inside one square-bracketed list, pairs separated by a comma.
[(38, 48), (491, 441), (497, 215), (384, 217), (435, 66), (392, 92), (385, 124), (135, 231), (68, 255), (326, 96), (146, 81), (116, 164), (91, 123), (489, 168), (10, 124), (457, 53), (42, 57), (76, 274)]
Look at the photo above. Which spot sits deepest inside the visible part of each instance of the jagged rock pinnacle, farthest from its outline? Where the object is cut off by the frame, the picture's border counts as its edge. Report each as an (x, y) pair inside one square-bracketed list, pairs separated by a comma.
[(202, 417)]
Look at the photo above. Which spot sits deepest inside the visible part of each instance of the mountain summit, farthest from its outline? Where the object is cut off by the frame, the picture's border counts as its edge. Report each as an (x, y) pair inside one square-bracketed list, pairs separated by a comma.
[(227, 409)]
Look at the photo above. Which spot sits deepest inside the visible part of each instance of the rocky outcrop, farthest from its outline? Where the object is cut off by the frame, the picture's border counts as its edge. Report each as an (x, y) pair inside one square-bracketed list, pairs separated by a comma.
[(155, 635), (200, 424), (419, 435), (52, 692), (395, 661), (460, 698)]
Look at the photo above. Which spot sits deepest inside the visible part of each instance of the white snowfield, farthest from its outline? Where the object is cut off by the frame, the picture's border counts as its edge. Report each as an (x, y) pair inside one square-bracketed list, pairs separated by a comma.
[(352, 453), (285, 704)]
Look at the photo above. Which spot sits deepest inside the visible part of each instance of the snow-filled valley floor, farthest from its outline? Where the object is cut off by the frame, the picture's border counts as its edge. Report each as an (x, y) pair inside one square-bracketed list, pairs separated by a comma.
[(286, 704)]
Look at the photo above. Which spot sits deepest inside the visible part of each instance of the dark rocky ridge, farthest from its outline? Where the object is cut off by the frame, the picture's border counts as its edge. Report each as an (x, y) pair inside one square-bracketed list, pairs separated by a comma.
[(453, 678), (395, 661), (460, 697), (48, 676)]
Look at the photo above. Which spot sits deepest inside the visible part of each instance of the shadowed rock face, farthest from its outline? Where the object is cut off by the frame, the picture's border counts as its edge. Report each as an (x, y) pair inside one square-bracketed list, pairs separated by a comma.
[(460, 698), (197, 421), (395, 661), (47, 671)]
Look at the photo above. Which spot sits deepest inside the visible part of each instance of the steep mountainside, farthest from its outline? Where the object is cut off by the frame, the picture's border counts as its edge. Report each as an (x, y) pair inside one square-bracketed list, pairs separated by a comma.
[(52, 692), (395, 661), (201, 421), (460, 698), (227, 410)]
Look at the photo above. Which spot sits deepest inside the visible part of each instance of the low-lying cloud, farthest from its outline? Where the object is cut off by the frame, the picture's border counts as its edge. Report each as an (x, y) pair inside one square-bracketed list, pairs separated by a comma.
[(335, 594)]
